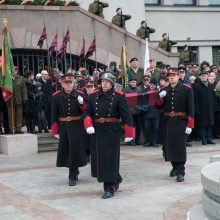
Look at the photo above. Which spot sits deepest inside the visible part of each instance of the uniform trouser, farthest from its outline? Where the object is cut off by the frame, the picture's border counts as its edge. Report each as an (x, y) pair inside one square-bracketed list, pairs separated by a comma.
[(179, 167), (30, 123), (17, 117), (73, 173), (137, 124), (109, 186), (42, 121), (5, 118), (206, 133), (151, 124)]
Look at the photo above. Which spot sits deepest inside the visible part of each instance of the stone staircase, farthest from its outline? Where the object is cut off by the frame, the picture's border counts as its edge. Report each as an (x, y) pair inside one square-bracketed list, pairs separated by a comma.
[(47, 142)]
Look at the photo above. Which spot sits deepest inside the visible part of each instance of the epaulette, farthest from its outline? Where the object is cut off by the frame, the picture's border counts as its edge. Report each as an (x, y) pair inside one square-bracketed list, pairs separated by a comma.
[(187, 85), (56, 93), (119, 92)]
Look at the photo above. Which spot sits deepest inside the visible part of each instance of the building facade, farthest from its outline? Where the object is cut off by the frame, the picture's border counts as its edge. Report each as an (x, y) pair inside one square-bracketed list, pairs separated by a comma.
[(191, 22)]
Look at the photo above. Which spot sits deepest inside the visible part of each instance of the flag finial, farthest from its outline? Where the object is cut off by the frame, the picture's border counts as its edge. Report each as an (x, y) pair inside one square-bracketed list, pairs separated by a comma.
[(5, 22)]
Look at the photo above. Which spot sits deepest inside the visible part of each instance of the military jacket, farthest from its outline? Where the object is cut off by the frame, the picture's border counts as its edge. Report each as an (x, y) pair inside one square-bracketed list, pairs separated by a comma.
[(97, 8), (144, 32), (120, 20)]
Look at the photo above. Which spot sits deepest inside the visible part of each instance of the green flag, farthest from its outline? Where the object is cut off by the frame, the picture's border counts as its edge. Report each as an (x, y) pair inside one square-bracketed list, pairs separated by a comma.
[(7, 70)]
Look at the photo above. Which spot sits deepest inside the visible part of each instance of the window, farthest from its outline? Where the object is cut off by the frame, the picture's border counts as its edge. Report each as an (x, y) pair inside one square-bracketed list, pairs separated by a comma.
[(214, 2), (216, 55), (152, 2), (184, 2)]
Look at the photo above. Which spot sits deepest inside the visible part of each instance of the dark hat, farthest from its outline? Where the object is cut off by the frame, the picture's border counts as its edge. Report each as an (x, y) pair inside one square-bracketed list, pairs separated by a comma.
[(117, 9), (203, 73), (168, 66), (132, 79), (164, 34), (162, 78), (182, 68), (55, 70), (67, 77), (143, 22), (146, 76), (89, 84), (152, 60), (158, 63), (172, 71), (205, 62), (194, 66), (16, 68), (91, 79), (78, 73), (185, 46), (153, 81), (28, 73), (85, 72), (133, 59), (108, 76), (214, 67), (162, 66)]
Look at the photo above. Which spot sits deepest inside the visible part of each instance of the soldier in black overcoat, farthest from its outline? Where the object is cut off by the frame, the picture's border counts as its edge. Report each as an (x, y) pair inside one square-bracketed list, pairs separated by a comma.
[(106, 108), (205, 106), (178, 111), (66, 118)]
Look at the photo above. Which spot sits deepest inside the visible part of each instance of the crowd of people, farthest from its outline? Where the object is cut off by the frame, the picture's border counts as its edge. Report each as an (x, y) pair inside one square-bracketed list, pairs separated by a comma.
[(156, 104)]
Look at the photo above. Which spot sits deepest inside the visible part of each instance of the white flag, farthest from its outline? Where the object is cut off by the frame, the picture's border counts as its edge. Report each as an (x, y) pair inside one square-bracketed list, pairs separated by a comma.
[(146, 58)]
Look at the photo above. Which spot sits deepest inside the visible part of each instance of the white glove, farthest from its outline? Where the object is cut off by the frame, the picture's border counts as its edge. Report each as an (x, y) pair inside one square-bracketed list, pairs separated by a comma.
[(162, 94), (128, 140), (90, 130), (57, 136), (80, 99), (188, 130)]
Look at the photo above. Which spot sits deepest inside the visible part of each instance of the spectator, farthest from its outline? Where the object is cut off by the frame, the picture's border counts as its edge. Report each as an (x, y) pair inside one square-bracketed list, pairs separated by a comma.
[(135, 70)]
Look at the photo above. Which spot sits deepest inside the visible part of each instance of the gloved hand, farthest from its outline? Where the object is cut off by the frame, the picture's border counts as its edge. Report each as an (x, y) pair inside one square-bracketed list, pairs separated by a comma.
[(188, 130), (162, 94), (57, 136), (80, 99), (90, 130), (128, 140)]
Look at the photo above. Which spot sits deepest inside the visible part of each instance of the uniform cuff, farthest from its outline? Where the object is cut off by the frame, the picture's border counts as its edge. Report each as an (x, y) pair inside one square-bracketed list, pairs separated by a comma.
[(190, 122), (88, 122), (54, 128), (129, 131)]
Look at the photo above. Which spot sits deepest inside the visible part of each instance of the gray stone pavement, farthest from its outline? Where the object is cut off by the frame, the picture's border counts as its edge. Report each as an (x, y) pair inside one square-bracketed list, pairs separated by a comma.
[(31, 187)]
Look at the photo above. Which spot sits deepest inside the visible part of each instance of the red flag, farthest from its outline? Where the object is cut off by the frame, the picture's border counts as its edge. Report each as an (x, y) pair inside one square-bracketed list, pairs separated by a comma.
[(62, 50), (43, 36), (53, 45), (91, 49), (67, 37), (82, 52)]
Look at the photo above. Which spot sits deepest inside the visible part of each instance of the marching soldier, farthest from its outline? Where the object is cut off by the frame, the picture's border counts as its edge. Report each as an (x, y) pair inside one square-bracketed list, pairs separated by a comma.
[(178, 121), (166, 43), (66, 118), (97, 8), (105, 110), (119, 19), (144, 31)]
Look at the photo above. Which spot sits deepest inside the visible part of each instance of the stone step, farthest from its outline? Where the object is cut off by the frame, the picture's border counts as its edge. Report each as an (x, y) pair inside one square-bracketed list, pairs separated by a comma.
[(45, 148), (47, 141)]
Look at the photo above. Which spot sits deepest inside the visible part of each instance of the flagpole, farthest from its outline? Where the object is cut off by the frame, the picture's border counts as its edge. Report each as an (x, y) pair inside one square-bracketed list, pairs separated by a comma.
[(48, 55), (70, 53), (96, 66), (64, 56), (56, 48)]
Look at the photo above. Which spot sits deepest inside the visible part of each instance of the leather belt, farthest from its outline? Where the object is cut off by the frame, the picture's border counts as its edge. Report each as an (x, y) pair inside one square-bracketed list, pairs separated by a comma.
[(104, 120), (175, 114), (70, 118)]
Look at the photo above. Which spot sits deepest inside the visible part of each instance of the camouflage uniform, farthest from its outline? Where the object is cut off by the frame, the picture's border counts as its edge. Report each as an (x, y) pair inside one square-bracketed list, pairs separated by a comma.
[(119, 20), (97, 8), (166, 44), (19, 96), (144, 32)]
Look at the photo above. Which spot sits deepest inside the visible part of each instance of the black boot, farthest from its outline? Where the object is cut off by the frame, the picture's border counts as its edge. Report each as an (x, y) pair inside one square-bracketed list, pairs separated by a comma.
[(108, 194), (73, 176)]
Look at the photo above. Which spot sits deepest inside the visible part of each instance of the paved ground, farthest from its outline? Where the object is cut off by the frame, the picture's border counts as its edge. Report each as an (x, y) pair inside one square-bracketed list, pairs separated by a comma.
[(31, 187)]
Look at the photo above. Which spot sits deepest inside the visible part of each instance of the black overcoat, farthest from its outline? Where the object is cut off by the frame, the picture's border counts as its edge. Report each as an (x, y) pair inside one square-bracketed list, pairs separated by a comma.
[(71, 149), (205, 103), (105, 143), (178, 99)]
